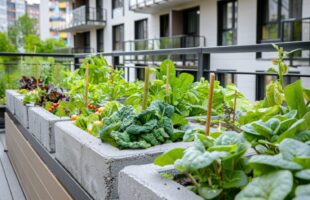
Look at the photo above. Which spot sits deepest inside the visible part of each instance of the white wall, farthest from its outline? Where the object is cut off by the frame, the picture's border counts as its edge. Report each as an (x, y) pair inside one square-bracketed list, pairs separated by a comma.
[(44, 20)]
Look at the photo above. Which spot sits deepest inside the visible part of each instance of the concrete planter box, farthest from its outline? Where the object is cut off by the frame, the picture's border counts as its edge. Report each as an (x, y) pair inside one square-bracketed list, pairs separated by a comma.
[(10, 96), (95, 165), (145, 182), (21, 110), (41, 125)]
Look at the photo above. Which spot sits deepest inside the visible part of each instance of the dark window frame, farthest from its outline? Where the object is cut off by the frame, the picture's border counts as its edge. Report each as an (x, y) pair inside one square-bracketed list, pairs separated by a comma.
[(100, 40), (122, 35), (220, 22), (118, 6), (261, 15), (162, 26)]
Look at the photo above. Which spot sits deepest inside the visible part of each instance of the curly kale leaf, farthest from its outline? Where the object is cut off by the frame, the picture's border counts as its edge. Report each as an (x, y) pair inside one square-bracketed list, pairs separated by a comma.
[(161, 108), (123, 141), (136, 128)]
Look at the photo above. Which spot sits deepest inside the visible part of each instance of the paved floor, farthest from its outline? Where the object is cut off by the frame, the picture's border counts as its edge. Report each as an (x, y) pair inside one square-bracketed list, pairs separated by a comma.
[(9, 186)]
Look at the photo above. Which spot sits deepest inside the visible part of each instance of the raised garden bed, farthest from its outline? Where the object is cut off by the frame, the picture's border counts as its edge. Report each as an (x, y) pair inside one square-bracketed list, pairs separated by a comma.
[(95, 165), (10, 99), (41, 125), (145, 182)]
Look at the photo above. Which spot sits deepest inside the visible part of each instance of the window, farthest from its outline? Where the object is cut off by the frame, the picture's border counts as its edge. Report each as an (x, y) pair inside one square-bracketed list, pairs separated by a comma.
[(100, 40), (117, 7), (141, 34), (270, 16), (164, 25), (225, 77), (118, 37), (228, 20)]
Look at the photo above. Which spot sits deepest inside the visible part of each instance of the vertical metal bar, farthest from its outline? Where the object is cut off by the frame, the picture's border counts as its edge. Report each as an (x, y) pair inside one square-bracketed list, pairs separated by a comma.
[(76, 62), (203, 63)]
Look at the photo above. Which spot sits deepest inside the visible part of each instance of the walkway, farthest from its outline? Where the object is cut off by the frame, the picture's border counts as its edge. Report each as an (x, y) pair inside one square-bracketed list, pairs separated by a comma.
[(9, 186)]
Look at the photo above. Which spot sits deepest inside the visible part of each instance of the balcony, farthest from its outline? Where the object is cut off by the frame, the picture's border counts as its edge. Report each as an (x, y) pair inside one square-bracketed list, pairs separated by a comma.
[(153, 6), (174, 42), (83, 19)]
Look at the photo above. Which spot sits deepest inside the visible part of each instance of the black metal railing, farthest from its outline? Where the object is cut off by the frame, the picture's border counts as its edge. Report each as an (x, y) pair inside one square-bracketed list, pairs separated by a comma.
[(74, 50), (83, 15)]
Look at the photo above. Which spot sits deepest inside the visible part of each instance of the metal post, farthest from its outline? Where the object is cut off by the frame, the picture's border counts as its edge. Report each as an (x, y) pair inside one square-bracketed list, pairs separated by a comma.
[(203, 63), (76, 62)]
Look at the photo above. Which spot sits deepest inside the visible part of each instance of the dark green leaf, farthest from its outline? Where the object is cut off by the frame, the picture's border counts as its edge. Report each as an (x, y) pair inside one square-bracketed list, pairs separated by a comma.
[(169, 157)]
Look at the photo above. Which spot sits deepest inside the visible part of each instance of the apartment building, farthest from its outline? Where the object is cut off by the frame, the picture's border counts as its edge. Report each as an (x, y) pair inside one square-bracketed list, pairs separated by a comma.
[(53, 14), (128, 25)]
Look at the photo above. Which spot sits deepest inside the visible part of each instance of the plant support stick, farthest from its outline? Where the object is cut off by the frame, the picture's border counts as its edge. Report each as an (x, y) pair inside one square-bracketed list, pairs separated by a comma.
[(86, 85), (235, 106), (146, 88), (56, 73), (37, 75), (211, 89), (167, 82)]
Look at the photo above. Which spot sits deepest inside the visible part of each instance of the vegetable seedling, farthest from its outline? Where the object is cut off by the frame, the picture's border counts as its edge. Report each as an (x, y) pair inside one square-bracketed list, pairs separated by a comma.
[(211, 89)]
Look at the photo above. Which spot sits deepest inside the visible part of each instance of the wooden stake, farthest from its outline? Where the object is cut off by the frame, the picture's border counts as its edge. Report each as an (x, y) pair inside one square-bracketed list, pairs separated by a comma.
[(211, 89), (235, 107), (146, 87), (56, 73), (37, 75), (167, 82), (86, 85)]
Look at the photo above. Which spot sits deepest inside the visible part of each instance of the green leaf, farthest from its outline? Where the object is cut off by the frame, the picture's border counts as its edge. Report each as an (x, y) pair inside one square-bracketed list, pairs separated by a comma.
[(306, 94), (299, 125), (303, 136), (303, 174), (209, 193), (295, 99), (272, 186), (302, 192), (178, 120), (303, 161), (197, 157), (227, 148), (169, 157), (264, 163), (235, 179), (291, 148)]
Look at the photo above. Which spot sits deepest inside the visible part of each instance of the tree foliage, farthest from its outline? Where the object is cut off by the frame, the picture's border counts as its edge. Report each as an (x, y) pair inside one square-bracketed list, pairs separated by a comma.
[(35, 45)]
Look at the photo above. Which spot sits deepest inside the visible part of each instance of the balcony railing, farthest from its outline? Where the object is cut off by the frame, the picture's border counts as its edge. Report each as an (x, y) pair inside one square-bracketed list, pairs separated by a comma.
[(74, 50), (151, 6), (174, 42), (83, 18), (179, 41)]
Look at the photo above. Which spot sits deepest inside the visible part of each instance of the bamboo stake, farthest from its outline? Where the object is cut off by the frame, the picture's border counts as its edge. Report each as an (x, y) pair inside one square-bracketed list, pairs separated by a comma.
[(86, 85), (235, 106), (211, 89), (146, 88), (37, 75), (167, 82)]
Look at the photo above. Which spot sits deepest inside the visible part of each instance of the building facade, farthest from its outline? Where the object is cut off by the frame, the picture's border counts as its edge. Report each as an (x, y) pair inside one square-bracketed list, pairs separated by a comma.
[(52, 15), (129, 25)]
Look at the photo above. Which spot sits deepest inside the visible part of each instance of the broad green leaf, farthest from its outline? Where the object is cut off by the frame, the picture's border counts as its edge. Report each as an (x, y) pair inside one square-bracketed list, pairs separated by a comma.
[(227, 148), (265, 162), (299, 125), (291, 148), (231, 138), (302, 192), (169, 157), (284, 125), (303, 136), (235, 179), (209, 193), (262, 128), (197, 157), (303, 174), (303, 161), (272, 186), (295, 99), (306, 94)]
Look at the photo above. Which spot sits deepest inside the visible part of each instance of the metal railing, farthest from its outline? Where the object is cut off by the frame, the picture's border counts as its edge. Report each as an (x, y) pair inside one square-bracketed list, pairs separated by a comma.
[(136, 4), (294, 29), (83, 15), (74, 50)]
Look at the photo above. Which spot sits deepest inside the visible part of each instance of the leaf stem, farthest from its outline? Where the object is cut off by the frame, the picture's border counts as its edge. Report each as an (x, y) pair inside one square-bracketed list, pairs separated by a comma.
[(192, 179)]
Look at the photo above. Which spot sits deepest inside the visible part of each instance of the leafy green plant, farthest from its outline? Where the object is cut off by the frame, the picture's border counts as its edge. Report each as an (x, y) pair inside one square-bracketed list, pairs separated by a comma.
[(128, 130), (216, 169)]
